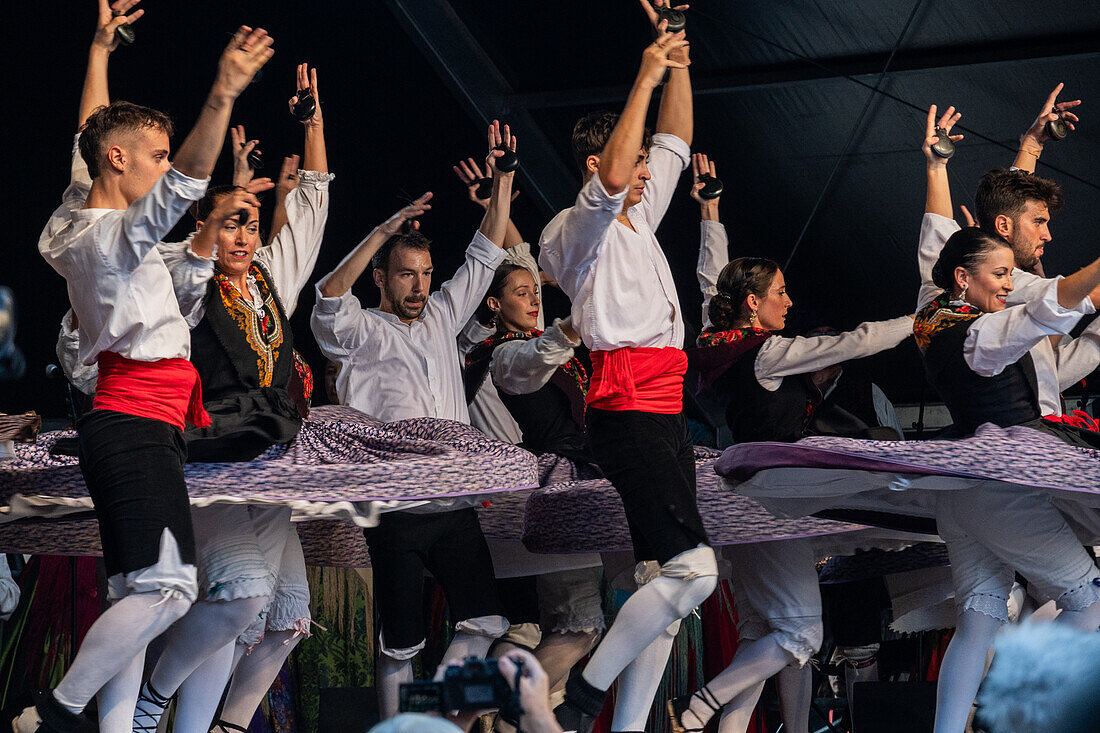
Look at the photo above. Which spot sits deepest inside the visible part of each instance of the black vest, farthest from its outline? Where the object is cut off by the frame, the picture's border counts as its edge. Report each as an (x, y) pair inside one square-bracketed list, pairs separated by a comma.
[(547, 417), (245, 364), (234, 351), (1010, 398), (756, 414)]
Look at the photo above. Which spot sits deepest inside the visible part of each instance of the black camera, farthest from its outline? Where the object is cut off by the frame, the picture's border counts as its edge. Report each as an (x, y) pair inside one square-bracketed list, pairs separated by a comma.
[(476, 685)]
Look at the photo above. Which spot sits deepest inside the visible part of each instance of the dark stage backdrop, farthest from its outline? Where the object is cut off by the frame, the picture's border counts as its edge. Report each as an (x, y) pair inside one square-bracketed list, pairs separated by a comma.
[(775, 121)]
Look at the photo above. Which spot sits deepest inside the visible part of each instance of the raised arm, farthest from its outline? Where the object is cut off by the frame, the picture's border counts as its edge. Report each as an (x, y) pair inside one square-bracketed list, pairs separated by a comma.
[(494, 225), (620, 155), (937, 224), (472, 178), (104, 42), (316, 155), (676, 113), (937, 199), (713, 242), (340, 280), (1031, 142), (243, 57)]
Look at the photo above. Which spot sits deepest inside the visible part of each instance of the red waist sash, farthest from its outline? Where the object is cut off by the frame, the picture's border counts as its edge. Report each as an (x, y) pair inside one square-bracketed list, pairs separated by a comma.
[(1077, 419), (647, 379), (167, 390)]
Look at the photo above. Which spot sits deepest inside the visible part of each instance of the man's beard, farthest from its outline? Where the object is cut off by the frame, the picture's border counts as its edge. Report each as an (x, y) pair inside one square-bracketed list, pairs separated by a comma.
[(1024, 255), (409, 310)]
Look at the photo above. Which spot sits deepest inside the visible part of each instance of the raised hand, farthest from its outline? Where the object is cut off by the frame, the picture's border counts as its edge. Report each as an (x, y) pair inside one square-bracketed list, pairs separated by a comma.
[(418, 207), (946, 121), (499, 137), (242, 146), (660, 55), (107, 23), (288, 178), (470, 173), (240, 198), (307, 79), (701, 165), (680, 54), (650, 9), (246, 54), (1052, 110)]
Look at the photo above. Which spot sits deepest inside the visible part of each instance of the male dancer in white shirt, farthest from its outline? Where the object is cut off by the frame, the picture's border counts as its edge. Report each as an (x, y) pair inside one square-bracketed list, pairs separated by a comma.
[(131, 443), (400, 361), (604, 254)]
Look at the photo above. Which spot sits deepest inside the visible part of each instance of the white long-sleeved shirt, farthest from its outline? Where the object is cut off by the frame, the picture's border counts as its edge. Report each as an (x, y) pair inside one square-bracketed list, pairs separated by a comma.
[(522, 367), (618, 279), (118, 284), (1055, 369), (393, 370), (781, 356), (714, 255), (995, 341), (487, 413)]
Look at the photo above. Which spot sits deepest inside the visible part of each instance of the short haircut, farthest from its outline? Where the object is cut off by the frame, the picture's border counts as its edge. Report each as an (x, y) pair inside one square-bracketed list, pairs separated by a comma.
[(202, 208), (1004, 191), (591, 133), (412, 240), (116, 117)]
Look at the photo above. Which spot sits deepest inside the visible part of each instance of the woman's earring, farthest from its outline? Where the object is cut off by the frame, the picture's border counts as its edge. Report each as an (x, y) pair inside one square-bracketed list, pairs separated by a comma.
[(752, 318), (961, 300)]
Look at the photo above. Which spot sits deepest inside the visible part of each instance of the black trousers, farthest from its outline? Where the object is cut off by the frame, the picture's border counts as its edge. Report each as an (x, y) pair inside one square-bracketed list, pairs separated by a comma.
[(649, 460), (452, 548), (133, 467)]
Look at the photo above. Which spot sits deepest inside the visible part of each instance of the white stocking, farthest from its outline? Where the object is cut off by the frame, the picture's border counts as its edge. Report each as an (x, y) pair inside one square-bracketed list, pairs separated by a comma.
[(201, 692), (116, 639), (465, 644), (638, 683), (117, 698), (389, 675), (254, 675), (737, 713), (206, 629), (641, 620), (754, 662), (794, 685), (962, 669)]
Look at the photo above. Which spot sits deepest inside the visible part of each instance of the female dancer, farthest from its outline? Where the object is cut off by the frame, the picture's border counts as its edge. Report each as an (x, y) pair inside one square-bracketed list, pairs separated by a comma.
[(542, 385), (767, 384)]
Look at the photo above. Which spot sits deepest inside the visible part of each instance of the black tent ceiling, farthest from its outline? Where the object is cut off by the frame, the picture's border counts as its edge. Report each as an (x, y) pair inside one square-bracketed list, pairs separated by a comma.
[(783, 88)]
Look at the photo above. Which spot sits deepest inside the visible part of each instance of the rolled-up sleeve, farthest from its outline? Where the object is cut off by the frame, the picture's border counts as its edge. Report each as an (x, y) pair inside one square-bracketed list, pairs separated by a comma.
[(996, 340)]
